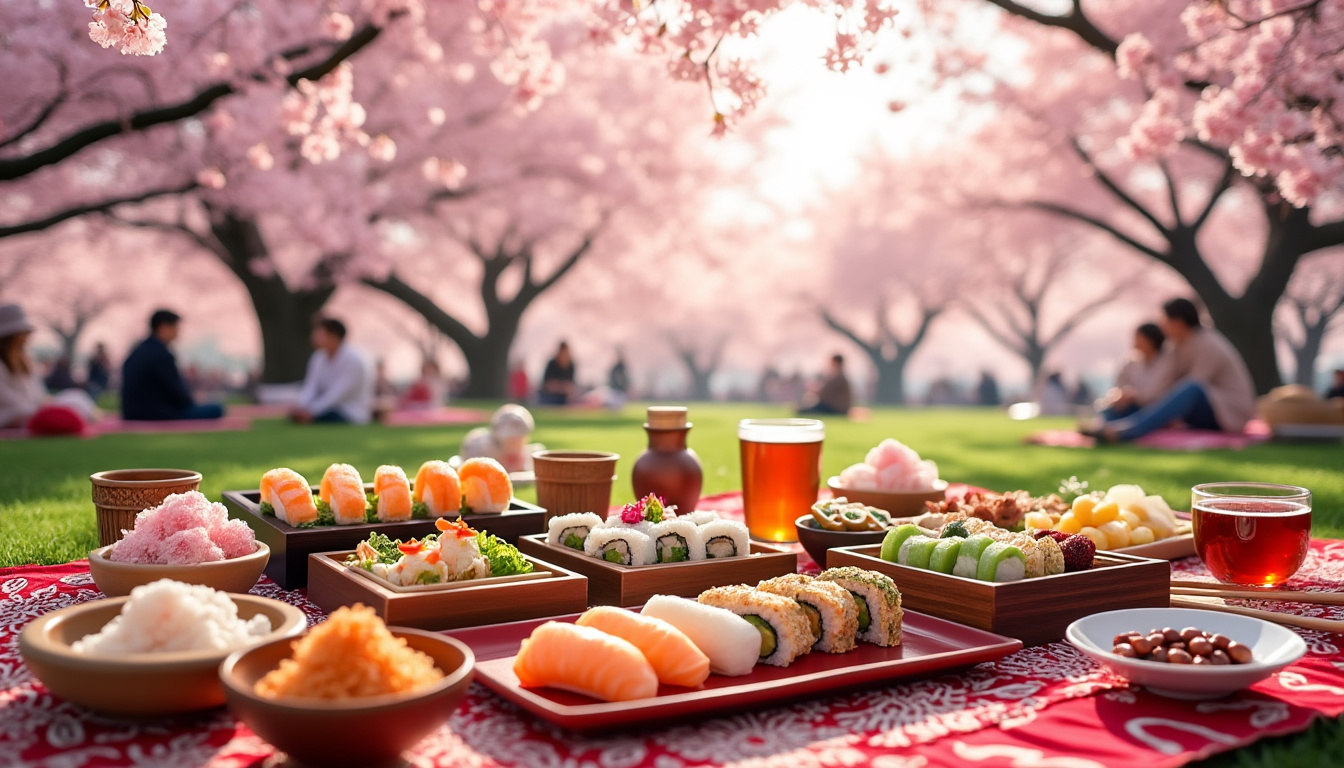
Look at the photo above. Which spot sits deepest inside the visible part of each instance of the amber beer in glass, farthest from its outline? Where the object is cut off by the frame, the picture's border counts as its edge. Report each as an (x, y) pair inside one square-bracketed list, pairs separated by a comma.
[(1251, 534), (781, 472)]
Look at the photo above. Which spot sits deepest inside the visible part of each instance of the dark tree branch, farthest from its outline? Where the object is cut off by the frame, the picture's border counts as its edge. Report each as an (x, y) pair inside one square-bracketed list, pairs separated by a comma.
[(1173, 195), (1065, 211), (1220, 188), (1116, 190), (45, 113), (450, 326), (1074, 21), (873, 351), (100, 207)]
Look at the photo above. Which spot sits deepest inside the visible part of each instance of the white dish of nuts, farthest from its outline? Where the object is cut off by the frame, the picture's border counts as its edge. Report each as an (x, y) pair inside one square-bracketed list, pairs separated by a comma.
[(1186, 653)]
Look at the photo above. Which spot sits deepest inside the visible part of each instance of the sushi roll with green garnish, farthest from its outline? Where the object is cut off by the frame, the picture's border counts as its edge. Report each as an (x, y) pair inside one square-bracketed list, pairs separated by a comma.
[(968, 557), (916, 550), (1001, 562), (571, 530), (677, 541), (943, 559), (891, 543), (725, 538), (878, 600), (619, 546)]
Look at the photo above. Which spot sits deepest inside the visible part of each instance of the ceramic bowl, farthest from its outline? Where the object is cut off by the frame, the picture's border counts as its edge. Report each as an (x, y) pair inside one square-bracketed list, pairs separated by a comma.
[(142, 685), (894, 503), (817, 540), (1273, 647), (237, 574), (366, 732)]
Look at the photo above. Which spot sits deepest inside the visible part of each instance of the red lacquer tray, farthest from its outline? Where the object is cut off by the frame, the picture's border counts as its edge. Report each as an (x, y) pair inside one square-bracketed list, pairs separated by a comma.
[(930, 646)]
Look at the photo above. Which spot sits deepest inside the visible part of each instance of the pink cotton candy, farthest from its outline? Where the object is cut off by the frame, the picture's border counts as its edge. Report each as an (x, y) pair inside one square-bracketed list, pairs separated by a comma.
[(188, 548), (235, 538), (859, 476)]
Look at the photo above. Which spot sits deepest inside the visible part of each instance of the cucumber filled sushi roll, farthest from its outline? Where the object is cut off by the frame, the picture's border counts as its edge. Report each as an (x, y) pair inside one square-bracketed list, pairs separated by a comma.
[(571, 530), (1001, 562), (968, 557), (831, 610), (677, 541), (621, 546), (916, 550), (725, 538), (891, 543), (878, 600), (785, 633), (943, 559)]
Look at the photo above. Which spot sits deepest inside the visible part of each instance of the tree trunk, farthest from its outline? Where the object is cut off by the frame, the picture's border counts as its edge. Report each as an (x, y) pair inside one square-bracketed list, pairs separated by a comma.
[(890, 388), (1305, 354)]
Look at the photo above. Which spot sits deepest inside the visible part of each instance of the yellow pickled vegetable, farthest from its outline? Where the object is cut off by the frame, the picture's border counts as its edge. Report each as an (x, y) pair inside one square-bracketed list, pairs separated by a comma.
[(1082, 509), (1105, 512), (1141, 535), (1117, 534), (1068, 523)]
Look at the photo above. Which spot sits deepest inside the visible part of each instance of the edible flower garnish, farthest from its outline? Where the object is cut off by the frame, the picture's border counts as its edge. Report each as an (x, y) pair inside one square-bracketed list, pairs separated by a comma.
[(649, 508)]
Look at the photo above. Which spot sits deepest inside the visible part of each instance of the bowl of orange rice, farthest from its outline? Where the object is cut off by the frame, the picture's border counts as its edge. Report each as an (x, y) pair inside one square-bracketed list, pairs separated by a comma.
[(350, 692)]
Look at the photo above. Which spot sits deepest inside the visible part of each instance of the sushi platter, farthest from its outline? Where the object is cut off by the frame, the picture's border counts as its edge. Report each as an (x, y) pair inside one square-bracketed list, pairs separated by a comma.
[(930, 646), (291, 546), (1033, 610), (548, 590), (614, 584)]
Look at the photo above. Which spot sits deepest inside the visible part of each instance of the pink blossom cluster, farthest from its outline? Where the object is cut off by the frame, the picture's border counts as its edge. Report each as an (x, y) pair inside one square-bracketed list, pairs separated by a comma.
[(325, 115), (187, 528), (1274, 97), (129, 25), (891, 466)]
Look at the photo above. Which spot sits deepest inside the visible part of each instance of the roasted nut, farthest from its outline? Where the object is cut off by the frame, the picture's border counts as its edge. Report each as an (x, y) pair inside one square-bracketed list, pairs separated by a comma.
[(1219, 658), (1126, 650), (1159, 654), (1157, 639), (1125, 637), (1221, 642), (1200, 646), (1240, 654), (1200, 660), (1176, 646), (1141, 646), (1179, 656), (1190, 633), (1171, 635)]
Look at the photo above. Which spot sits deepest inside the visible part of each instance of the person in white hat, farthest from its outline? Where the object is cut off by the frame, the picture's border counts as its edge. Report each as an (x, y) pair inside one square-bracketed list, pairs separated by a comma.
[(22, 395)]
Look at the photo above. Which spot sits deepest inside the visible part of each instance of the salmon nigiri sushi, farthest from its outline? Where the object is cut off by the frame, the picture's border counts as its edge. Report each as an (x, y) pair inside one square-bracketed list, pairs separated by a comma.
[(485, 485), (584, 660), (394, 494), (436, 487), (675, 659), (343, 491), (289, 495)]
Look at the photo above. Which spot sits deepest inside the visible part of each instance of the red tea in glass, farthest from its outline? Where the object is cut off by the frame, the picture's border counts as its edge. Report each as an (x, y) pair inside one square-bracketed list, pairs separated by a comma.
[(781, 472), (1252, 541)]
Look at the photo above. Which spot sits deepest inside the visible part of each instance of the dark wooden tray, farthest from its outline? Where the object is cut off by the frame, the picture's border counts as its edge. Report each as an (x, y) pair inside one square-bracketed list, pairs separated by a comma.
[(625, 585), (1032, 610), (929, 646), (290, 546), (332, 585)]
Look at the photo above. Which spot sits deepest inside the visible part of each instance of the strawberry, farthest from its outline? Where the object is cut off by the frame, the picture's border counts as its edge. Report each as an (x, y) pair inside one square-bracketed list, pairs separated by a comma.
[(1078, 553), (1058, 536)]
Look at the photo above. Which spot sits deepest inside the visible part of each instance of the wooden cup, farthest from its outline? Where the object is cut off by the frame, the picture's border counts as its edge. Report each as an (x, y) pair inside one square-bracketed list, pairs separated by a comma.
[(574, 481), (120, 494)]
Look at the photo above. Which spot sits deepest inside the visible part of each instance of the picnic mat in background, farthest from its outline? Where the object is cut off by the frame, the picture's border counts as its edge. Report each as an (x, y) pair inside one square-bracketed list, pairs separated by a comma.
[(1256, 432), (1047, 703), (435, 416), (118, 426)]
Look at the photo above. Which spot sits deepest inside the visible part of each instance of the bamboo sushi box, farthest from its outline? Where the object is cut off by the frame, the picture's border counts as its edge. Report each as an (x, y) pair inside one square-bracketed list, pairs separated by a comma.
[(1036, 610), (547, 591), (291, 546), (627, 585)]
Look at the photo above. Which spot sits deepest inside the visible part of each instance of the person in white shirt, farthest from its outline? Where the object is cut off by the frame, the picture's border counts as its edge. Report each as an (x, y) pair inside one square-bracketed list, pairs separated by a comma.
[(338, 386)]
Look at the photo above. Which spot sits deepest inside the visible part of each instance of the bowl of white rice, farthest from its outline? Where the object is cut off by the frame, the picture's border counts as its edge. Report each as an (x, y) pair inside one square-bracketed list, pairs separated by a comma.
[(156, 652)]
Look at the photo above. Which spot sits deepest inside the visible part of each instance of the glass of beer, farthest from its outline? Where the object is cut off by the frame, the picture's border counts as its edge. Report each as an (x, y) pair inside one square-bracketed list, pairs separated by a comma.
[(1252, 534), (781, 472)]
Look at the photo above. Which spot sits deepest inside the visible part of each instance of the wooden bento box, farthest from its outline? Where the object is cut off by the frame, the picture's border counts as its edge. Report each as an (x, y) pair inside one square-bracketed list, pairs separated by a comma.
[(462, 604), (1035, 610), (290, 546), (626, 585)]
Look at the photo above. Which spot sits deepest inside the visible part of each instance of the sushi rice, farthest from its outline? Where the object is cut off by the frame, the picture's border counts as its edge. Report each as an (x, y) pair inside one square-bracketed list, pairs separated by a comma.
[(619, 545), (676, 541), (700, 517), (571, 530)]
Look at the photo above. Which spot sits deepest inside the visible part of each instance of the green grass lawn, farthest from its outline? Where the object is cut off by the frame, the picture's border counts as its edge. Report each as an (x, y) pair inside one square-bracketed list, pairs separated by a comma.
[(46, 515)]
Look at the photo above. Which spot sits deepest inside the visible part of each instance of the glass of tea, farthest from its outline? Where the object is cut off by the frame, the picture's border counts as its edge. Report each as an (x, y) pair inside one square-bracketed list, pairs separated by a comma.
[(781, 472), (1252, 534)]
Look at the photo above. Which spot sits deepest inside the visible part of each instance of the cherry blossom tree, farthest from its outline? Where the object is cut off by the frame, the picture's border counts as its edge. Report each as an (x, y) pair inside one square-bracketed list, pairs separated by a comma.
[(700, 361), (1313, 306)]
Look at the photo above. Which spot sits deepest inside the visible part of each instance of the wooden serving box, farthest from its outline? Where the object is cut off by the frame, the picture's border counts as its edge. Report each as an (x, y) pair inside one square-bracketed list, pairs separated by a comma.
[(1034, 611), (332, 585), (290, 546), (625, 585)]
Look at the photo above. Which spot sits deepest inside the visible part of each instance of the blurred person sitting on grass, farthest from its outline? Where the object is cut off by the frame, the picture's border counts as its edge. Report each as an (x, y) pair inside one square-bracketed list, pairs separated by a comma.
[(23, 398), (1336, 386), (834, 396), (338, 387), (152, 387), (557, 382), (428, 392)]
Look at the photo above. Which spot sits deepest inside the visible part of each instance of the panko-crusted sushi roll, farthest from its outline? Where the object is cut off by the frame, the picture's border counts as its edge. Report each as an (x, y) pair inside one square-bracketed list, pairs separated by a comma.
[(290, 496), (343, 492), (1054, 556), (571, 530), (832, 611), (622, 546), (879, 603), (781, 622), (677, 541), (486, 487), (394, 494), (725, 538), (437, 487)]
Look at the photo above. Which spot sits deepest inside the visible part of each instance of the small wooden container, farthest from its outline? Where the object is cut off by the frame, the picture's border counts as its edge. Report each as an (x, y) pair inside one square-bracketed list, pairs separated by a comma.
[(332, 585), (290, 546), (121, 494), (1034, 611), (624, 585), (574, 481)]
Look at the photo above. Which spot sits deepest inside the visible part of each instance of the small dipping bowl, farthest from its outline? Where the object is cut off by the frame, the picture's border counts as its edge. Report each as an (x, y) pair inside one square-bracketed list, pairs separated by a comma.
[(139, 685), (367, 732), (817, 540), (894, 503), (1272, 647), (237, 574)]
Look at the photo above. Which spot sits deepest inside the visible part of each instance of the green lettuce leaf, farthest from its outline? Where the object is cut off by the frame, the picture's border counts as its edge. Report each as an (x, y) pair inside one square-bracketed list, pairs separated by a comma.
[(505, 559)]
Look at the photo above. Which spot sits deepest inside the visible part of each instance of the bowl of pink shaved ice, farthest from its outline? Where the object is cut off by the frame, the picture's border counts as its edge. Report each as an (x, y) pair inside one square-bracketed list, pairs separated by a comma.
[(187, 538), (893, 478)]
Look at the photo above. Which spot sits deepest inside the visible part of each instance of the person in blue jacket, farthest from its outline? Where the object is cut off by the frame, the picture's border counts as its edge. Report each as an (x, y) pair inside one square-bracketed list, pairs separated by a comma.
[(152, 389)]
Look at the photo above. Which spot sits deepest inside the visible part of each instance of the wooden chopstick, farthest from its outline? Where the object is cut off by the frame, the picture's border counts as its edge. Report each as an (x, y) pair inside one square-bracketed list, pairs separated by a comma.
[(1209, 589), (1287, 619)]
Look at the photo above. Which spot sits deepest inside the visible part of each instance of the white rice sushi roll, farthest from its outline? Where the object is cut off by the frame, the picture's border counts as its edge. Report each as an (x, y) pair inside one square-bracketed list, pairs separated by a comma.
[(571, 530), (677, 541), (621, 546), (615, 521), (700, 517), (730, 641), (725, 538)]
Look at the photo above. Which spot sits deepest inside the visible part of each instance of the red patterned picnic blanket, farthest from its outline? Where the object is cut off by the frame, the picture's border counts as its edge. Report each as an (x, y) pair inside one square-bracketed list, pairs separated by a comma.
[(1043, 706)]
